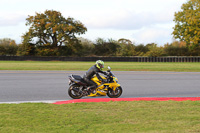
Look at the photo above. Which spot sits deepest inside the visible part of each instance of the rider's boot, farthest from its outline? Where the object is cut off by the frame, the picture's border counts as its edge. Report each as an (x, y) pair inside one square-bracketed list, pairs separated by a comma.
[(88, 90), (91, 90)]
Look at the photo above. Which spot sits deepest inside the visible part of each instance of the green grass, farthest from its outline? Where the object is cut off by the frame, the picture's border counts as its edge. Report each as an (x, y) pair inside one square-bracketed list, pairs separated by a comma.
[(116, 66), (111, 117)]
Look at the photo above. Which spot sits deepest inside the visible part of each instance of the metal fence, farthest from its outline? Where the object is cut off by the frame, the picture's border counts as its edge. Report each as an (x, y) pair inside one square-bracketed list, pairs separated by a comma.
[(120, 59)]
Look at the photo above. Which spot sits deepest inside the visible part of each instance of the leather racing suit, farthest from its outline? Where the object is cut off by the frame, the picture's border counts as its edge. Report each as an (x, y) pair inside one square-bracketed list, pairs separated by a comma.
[(90, 73)]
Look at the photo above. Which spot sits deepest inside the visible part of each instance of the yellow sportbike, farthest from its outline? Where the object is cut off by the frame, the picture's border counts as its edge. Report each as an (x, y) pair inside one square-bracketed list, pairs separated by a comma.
[(78, 87)]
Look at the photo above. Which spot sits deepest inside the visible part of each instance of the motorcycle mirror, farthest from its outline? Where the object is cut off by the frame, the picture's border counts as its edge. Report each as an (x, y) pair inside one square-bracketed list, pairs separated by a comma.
[(109, 68)]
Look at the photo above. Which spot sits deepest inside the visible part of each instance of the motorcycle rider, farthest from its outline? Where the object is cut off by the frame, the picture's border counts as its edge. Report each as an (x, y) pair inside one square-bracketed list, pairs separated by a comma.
[(95, 69)]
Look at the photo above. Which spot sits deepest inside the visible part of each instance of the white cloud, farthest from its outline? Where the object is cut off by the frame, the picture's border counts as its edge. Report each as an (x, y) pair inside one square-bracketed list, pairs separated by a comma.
[(11, 19), (126, 20), (159, 35)]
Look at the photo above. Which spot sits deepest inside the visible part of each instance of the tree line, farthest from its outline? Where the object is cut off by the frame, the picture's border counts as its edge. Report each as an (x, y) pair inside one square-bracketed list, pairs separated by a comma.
[(51, 34), (101, 47)]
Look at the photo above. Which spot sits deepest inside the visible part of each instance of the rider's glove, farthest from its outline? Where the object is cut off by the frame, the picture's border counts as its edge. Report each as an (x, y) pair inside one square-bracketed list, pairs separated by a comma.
[(105, 73)]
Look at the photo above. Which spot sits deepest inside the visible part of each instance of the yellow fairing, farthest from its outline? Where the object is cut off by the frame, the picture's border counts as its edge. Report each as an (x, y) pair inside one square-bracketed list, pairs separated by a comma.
[(101, 90)]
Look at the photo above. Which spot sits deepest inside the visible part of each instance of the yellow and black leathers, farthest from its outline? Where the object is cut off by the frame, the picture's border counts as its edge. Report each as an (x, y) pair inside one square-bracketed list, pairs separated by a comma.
[(90, 73)]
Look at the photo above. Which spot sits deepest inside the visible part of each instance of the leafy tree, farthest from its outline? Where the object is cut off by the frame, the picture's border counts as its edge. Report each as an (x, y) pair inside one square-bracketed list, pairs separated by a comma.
[(106, 48), (8, 47), (46, 51), (187, 23), (26, 48), (154, 51), (74, 49), (52, 29), (124, 41), (176, 48), (141, 49), (126, 48), (87, 47)]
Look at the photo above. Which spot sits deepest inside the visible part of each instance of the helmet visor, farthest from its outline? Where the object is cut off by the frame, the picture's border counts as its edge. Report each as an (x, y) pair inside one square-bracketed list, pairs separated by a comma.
[(101, 65)]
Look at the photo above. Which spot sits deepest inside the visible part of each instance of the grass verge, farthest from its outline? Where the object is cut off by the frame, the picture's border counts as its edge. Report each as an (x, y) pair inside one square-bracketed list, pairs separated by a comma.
[(116, 66), (110, 117)]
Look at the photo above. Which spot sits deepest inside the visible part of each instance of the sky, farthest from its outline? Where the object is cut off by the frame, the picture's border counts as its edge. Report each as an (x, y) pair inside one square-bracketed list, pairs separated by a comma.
[(141, 21)]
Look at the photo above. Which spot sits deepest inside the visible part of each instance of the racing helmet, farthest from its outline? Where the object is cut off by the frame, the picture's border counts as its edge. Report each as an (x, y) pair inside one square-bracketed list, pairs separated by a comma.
[(100, 64)]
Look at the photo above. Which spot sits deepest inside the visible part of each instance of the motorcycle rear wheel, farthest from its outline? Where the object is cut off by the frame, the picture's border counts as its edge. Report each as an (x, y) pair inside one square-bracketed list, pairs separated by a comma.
[(115, 94), (74, 93)]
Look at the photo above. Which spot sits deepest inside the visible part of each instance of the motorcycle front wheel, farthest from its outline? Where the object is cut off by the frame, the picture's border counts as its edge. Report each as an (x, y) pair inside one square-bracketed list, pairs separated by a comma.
[(74, 92), (115, 94)]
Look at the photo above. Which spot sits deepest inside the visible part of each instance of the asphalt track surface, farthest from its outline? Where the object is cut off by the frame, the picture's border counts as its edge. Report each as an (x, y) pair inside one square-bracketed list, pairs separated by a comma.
[(25, 86)]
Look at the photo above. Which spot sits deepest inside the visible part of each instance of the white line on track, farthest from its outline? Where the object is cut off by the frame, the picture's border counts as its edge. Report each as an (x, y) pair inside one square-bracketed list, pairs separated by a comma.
[(44, 101)]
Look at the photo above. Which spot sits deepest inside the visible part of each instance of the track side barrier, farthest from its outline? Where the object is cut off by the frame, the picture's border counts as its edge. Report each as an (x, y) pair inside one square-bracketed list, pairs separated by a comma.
[(113, 59)]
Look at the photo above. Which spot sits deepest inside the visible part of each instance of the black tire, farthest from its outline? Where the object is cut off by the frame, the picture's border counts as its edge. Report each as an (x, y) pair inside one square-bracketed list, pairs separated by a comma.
[(74, 94), (115, 94)]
